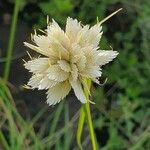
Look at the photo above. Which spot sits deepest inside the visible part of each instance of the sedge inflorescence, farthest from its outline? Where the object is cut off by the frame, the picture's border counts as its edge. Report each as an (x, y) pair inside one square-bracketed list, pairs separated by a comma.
[(67, 58)]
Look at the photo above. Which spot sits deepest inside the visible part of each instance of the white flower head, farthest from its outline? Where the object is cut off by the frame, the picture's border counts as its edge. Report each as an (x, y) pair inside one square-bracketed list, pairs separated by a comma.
[(67, 57)]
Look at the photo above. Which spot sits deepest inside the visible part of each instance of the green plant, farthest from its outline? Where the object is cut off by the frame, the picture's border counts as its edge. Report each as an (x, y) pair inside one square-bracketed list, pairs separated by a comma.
[(121, 114)]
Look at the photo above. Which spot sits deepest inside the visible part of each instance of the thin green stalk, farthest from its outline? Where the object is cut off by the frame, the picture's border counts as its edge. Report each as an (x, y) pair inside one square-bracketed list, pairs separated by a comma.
[(80, 128), (11, 40), (56, 118), (55, 121), (87, 111), (68, 133), (90, 125), (143, 137), (3, 141), (16, 136)]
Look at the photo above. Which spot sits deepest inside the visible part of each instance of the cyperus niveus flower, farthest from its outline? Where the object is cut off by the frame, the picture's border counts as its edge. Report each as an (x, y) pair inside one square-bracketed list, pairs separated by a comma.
[(67, 58)]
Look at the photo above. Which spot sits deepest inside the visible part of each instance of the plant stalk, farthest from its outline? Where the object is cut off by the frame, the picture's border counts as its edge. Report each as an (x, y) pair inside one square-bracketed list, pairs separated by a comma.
[(80, 127), (85, 113), (11, 40), (88, 115)]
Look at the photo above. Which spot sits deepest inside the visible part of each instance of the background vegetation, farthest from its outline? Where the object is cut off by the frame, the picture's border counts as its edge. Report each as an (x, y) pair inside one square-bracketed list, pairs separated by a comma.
[(121, 115)]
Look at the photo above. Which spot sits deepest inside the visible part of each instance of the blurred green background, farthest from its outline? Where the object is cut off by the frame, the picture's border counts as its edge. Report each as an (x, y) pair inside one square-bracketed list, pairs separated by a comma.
[(121, 115)]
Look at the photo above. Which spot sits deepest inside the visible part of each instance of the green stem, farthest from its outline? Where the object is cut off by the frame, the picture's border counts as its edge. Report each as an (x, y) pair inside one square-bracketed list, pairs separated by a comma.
[(90, 124), (11, 40), (3, 141), (85, 112), (80, 127), (88, 116)]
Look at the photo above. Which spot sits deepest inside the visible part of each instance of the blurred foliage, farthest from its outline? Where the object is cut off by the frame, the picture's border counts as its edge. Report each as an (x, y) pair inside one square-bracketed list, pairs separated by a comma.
[(121, 114), (18, 133)]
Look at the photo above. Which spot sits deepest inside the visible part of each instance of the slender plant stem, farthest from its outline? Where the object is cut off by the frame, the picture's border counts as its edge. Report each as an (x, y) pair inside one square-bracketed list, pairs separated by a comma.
[(3, 141), (87, 111), (80, 127), (90, 125), (11, 40)]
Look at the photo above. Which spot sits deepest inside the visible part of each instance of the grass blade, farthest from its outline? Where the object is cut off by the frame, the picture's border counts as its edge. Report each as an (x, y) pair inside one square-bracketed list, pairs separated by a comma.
[(11, 40)]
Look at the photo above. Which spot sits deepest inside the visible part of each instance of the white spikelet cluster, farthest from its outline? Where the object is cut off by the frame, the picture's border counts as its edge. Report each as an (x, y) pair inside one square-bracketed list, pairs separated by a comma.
[(68, 57)]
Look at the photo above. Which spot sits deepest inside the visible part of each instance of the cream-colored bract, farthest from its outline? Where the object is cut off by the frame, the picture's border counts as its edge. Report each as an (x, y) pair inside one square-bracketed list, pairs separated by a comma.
[(67, 58)]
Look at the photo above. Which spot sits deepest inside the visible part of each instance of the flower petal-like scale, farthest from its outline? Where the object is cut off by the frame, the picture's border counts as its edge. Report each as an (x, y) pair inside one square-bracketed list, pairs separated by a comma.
[(68, 57)]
